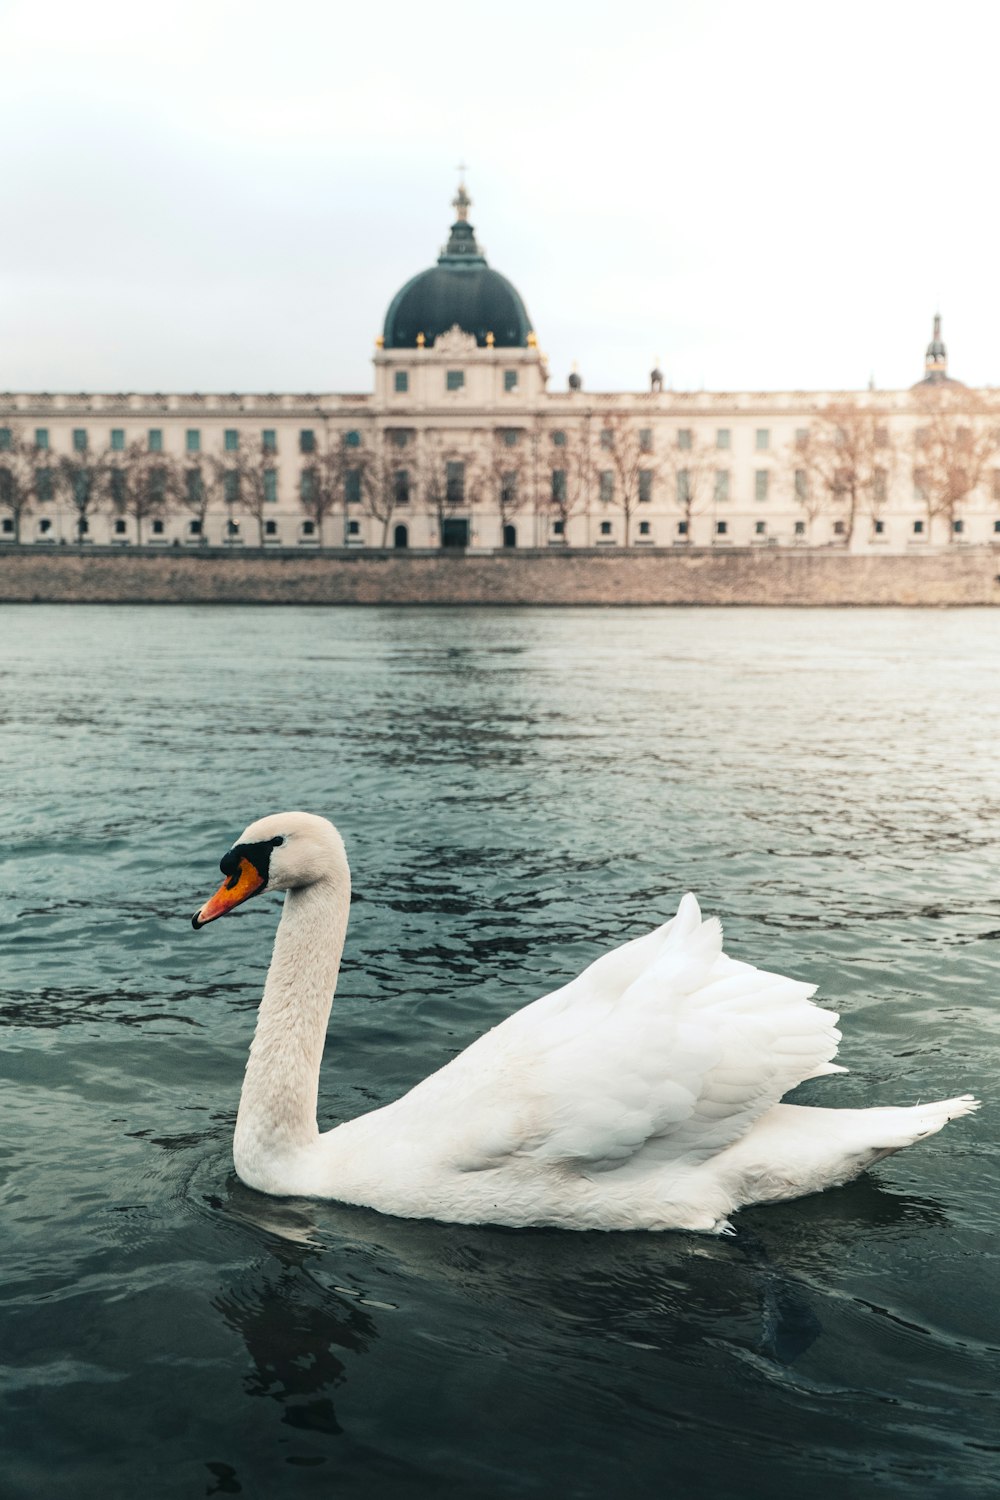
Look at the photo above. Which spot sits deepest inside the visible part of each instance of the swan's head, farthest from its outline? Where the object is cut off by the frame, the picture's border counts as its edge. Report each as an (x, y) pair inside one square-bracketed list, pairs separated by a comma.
[(279, 853)]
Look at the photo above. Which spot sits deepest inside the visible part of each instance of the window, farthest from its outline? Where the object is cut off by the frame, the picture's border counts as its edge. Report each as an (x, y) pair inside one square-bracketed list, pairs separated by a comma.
[(838, 528), (800, 528), (120, 528), (194, 488), (801, 436), (510, 437), (510, 380), (559, 528), (760, 528), (157, 486), (721, 527), (352, 439), (920, 484), (880, 486), (401, 486), (270, 486), (454, 380), (157, 528), (354, 528), (309, 528), (8, 524), (455, 482), (722, 438), (270, 528), (801, 486), (763, 439), (44, 487), (117, 439), (352, 486), (605, 528), (645, 485), (682, 528), (231, 440), (645, 439), (721, 491), (6, 486), (307, 486), (231, 486), (400, 437), (155, 440), (559, 438), (401, 381), (606, 486), (307, 440), (958, 527), (508, 488), (996, 484), (192, 440), (41, 437), (996, 525), (117, 486), (761, 477), (79, 440), (607, 438), (232, 529), (684, 437), (879, 528), (644, 528), (918, 527), (683, 486), (5, 438), (194, 528), (269, 440), (45, 526)]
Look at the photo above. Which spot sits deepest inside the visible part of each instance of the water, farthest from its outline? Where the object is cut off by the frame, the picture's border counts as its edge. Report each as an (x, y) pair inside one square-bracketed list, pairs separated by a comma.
[(518, 790)]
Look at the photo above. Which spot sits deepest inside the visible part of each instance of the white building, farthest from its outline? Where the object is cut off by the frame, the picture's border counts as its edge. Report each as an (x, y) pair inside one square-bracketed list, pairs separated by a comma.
[(463, 443)]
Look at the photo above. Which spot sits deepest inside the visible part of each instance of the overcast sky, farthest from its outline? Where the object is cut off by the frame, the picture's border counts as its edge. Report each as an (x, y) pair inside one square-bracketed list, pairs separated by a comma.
[(225, 196)]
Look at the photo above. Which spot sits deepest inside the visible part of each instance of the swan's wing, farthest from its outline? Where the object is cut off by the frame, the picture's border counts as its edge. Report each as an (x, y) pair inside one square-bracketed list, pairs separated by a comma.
[(661, 1050)]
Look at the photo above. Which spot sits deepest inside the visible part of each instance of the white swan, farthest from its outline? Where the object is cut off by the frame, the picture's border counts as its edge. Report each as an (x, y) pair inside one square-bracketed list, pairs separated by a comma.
[(642, 1095)]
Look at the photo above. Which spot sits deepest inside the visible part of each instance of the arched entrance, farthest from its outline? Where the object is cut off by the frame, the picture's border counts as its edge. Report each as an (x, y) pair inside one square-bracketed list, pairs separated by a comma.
[(400, 537), (510, 536)]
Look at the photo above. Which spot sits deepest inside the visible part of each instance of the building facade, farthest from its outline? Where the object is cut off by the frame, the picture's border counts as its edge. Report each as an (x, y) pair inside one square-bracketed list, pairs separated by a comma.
[(464, 443)]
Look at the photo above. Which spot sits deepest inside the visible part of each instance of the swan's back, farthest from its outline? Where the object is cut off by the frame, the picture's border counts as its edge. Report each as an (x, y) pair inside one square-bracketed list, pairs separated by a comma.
[(663, 1050)]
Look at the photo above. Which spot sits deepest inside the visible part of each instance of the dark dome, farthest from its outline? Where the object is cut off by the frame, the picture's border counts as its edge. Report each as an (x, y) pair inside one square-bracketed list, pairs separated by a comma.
[(460, 289)]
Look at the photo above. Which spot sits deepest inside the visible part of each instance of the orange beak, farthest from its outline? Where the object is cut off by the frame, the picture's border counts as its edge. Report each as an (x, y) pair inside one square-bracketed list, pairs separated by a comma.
[(231, 893)]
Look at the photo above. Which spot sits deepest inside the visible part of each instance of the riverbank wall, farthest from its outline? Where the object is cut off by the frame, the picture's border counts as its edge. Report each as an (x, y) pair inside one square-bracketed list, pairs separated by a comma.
[(737, 576)]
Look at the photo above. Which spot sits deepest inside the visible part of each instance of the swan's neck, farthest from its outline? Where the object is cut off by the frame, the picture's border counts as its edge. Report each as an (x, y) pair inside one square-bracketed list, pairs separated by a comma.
[(277, 1113)]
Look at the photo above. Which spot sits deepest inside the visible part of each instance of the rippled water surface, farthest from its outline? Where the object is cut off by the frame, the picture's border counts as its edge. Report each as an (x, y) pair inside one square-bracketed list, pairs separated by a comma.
[(518, 790)]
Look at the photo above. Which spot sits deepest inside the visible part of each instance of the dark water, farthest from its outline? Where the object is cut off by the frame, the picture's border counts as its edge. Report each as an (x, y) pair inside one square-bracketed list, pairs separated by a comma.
[(517, 791)]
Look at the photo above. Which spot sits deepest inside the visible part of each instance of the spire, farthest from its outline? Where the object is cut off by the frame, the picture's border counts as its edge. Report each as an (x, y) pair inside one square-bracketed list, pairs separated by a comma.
[(936, 360), (462, 246)]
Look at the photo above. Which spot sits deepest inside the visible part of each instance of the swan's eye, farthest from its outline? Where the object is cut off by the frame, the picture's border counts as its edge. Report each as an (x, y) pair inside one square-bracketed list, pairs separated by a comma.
[(277, 843)]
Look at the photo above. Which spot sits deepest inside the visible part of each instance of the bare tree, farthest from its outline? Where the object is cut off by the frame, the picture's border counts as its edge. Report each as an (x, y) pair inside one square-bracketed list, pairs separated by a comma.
[(200, 488), (631, 463), (689, 466), (506, 472), (80, 477), (385, 479), (843, 463), (572, 474), (21, 463), (449, 477), (248, 480), (323, 487), (138, 483), (952, 447)]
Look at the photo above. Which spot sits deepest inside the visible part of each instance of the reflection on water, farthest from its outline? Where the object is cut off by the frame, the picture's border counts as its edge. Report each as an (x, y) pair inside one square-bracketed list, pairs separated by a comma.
[(517, 790)]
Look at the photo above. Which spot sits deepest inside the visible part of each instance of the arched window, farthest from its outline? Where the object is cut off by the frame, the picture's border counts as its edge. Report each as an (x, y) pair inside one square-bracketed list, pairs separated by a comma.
[(510, 536), (401, 537)]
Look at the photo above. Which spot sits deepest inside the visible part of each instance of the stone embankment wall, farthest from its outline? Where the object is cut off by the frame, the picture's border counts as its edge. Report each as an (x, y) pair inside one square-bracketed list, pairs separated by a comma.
[(758, 576)]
